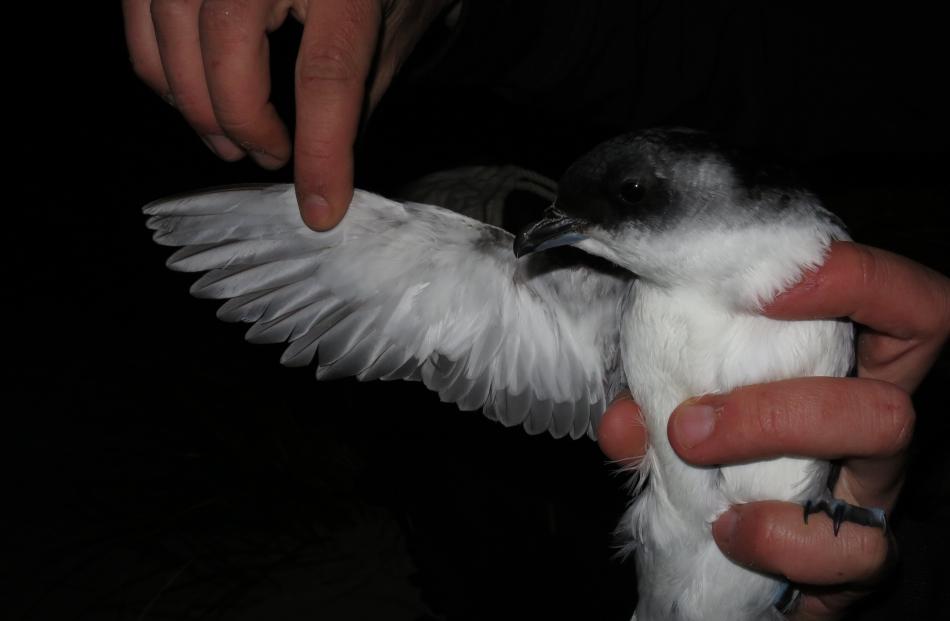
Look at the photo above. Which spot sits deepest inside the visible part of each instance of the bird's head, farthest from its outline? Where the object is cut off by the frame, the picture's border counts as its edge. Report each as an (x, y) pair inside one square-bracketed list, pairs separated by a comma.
[(675, 208)]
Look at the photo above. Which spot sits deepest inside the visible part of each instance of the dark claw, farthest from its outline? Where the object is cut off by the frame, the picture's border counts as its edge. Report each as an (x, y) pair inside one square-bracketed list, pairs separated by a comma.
[(837, 516), (839, 511)]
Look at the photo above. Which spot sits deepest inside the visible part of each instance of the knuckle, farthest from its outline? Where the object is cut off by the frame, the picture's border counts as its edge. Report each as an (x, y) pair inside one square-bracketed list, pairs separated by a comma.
[(316, 149), (868, 267), (876, 271), (239, 124), (320, 63), (223, 16), (772, 419)]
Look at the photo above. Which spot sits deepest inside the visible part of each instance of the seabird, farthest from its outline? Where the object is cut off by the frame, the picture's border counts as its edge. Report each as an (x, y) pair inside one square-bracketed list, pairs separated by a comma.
[(699, 241)]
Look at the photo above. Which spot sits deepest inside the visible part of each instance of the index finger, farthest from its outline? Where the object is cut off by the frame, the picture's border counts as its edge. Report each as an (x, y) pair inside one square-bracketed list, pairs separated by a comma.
[(905, 305), (336, 53), (881, 290)]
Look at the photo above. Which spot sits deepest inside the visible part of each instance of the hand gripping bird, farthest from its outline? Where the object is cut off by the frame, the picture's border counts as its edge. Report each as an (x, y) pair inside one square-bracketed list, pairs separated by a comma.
[(414, 291)]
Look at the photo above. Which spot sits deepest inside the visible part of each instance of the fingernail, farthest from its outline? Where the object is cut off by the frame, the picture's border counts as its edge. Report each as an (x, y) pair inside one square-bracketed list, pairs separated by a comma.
[(694, 423), (262, 157), (725, 527), (266, 160), (223, 147), (316, 207), (623, 396)]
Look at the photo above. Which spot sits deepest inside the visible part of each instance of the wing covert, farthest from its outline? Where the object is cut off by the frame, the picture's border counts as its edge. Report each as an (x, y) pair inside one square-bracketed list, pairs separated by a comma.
[(408, 291)]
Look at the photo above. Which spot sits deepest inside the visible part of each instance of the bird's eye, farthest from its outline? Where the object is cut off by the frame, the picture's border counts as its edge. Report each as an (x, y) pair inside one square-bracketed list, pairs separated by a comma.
[(631, 192)]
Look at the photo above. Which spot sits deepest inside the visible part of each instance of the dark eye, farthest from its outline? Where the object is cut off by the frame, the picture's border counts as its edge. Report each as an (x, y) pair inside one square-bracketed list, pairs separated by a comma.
[(631, 192)]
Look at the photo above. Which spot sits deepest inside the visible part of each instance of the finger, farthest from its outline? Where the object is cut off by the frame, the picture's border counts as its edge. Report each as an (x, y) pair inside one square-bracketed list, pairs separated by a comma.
[(879, 289), (905, 304), (176, 30), (772, 537), (807, 417), (336, 53), (235, 53), (143, 48), (621, 433)]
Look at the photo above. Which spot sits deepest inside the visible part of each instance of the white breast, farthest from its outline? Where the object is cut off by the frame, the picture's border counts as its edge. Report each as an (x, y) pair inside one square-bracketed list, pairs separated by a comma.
[(681, 344)]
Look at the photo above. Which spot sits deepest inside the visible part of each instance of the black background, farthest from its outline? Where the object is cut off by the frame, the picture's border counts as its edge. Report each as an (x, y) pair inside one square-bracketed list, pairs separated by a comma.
[(160, 467)]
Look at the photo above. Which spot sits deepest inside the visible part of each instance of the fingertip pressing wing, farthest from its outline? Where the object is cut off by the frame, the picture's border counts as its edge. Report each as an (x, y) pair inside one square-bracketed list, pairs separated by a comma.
[(407, 291)]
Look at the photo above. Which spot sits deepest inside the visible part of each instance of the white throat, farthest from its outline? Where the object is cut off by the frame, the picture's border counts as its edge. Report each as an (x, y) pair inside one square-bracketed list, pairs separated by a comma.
[(742, 269)]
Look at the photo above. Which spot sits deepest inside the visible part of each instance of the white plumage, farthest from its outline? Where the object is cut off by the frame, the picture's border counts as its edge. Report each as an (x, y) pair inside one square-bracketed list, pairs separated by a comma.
[(407, 291), (411, 291), (699, 344)]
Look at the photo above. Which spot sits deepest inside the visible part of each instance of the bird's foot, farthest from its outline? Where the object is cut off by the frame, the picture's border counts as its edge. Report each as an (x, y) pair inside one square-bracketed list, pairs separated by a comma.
[(839, 511)]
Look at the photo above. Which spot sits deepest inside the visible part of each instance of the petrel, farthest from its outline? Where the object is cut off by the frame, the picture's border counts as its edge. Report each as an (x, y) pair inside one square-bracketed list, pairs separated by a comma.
[(699, 242)]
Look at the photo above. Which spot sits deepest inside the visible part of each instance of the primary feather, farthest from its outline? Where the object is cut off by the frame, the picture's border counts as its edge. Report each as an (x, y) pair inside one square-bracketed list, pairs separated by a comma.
[(407, 291)]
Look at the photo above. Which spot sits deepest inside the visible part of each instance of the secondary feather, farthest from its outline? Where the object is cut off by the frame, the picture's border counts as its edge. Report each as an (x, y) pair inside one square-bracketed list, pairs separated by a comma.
[(408, 291)]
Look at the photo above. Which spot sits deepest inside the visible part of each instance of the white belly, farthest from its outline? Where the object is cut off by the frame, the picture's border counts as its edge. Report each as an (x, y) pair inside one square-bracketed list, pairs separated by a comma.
[(678, 345)]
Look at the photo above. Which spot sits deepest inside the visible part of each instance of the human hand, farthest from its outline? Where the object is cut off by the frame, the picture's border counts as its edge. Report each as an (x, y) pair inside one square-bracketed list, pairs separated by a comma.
[(866, 422), (209, 59)]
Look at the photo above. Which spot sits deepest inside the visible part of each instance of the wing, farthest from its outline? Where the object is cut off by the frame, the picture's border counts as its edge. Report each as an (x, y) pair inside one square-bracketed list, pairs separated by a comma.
[(408, 291)]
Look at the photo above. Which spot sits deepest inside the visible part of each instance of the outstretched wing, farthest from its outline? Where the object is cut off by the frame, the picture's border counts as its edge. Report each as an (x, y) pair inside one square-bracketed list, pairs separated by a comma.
[(408, 291)]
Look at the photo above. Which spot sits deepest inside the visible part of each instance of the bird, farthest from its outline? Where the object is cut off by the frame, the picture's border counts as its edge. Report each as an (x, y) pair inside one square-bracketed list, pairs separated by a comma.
[(688, 240)]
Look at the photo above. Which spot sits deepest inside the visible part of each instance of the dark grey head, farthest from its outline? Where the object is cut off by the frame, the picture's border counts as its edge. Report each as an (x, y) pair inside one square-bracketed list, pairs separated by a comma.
[(634, 177), (649, 179), (655, 201)]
